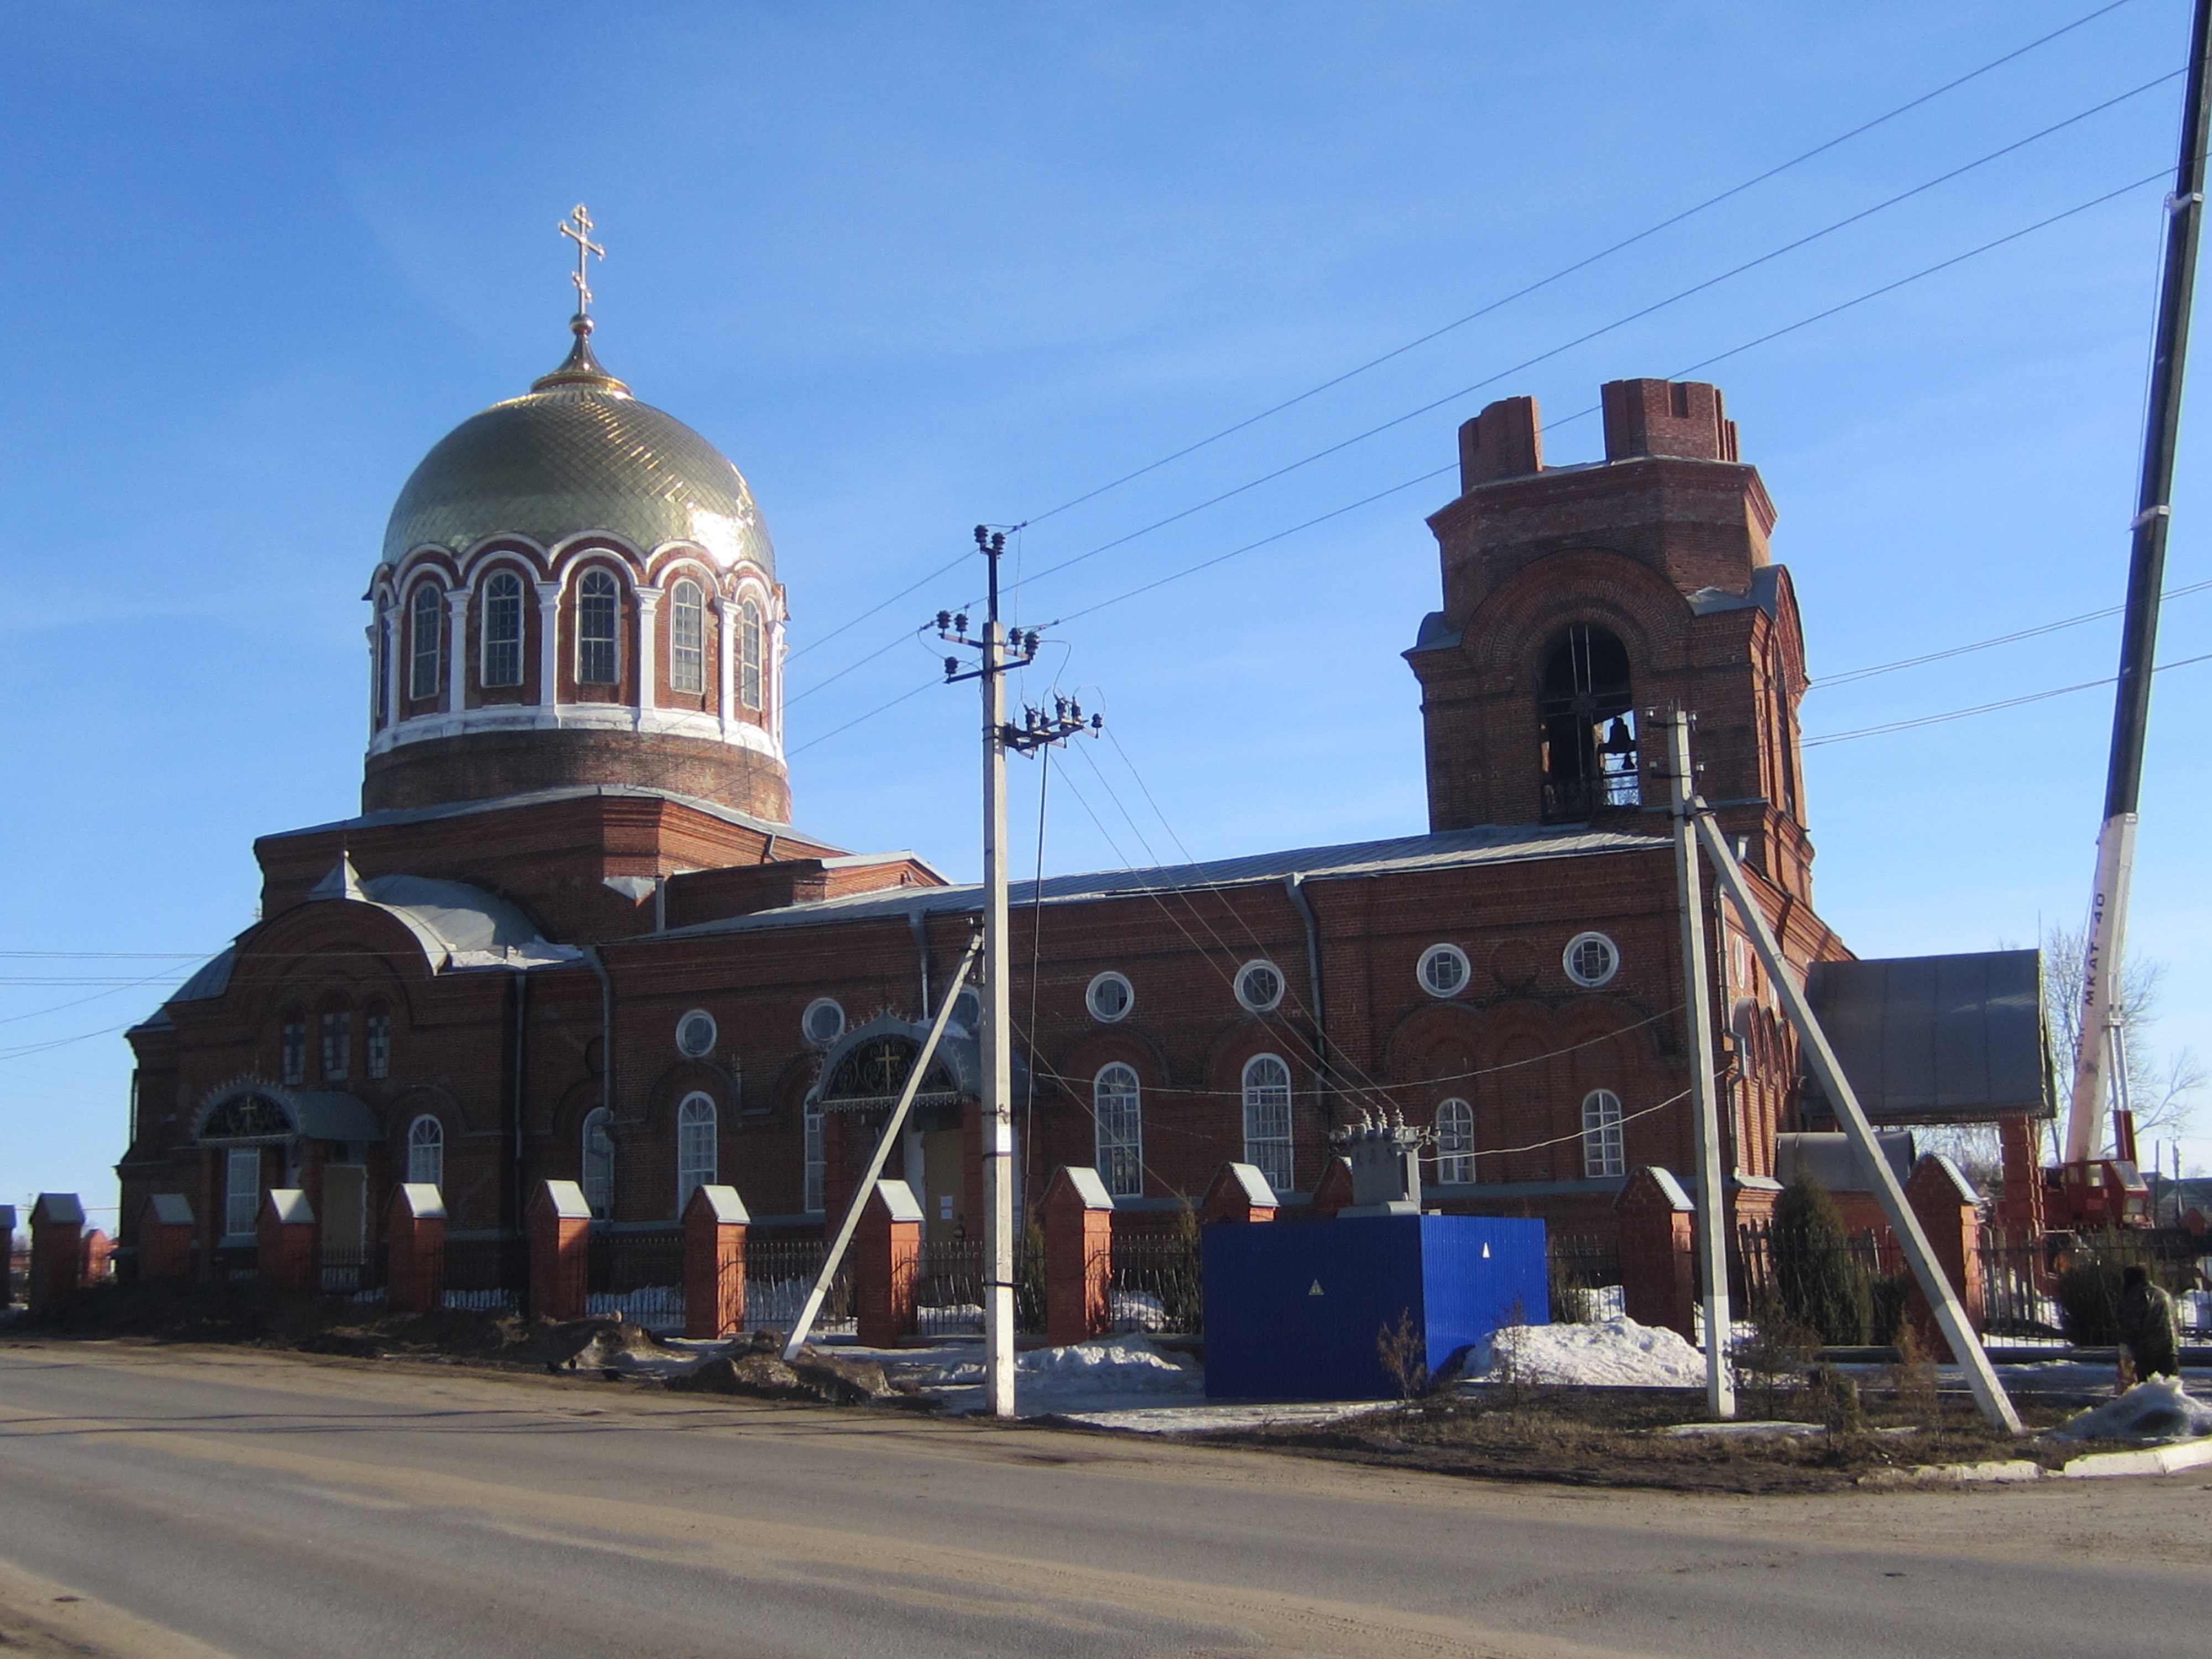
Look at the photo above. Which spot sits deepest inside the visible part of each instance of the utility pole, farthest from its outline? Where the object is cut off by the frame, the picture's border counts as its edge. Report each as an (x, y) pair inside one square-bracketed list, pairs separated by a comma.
[(1000, 651), (2097, 1065), (1698, 1010)]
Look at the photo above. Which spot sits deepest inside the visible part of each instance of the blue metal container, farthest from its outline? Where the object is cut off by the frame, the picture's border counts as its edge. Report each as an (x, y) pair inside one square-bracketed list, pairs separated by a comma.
[(1293, 1310)]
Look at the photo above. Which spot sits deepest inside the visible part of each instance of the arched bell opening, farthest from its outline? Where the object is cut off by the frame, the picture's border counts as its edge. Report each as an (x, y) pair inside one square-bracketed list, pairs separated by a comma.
[(1586, 717)]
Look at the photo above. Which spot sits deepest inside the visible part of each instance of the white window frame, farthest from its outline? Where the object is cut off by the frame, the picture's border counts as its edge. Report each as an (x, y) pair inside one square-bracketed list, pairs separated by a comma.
[(1450, 953), (752, 651), (814, 1164), (499, 624), (1094, 995), (687, 636), (598, 1165), (241, 1192), (1454, 1140), (426, 1151), (683, 1025), (1574, 970), (1257, 1005), (598, 604), (1117, 1111), (1268, 1117), (425, 640), (1605, 1150), (697, 1146), (829, 1004)]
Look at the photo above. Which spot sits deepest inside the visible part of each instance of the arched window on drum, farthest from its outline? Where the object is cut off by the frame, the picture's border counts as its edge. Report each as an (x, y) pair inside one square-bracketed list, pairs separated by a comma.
[(598, 613), (426, 640), (1586, 719), (502, 630), (687, 638), (752, 650)]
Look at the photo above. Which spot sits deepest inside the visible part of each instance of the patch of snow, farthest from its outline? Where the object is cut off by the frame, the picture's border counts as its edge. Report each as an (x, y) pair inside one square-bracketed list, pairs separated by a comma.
[(2158, 1413), (1752, 1429), (1176, 1418), (1616, 1353), (1118, 1365), (1138, 1310), (656, 1307)]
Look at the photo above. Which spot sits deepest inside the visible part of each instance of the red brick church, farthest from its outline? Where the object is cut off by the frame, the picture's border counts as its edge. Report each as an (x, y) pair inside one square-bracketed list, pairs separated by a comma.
[(576, 932)]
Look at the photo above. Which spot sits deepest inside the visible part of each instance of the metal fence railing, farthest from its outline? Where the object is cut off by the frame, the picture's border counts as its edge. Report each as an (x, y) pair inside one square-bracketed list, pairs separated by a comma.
[(1156, 1283), (780, 1270), (948, 1288), (636, 1276), (1582, 1276), (351, 1268)]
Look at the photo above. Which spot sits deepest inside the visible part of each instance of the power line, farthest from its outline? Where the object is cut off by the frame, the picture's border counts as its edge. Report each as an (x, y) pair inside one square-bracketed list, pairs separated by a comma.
[(1986, 708), (1583, 264), (1851, 675)]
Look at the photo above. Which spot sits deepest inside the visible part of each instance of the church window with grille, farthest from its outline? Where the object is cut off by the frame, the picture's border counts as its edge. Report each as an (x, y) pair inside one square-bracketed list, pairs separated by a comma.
[(293, 1060), (1603, 1151), (1587, 725), (816, 1164), (1456, 1141), (502, 629), (379, 1046), (426, 1152), (695, 1147), (599, 1182), (751, 648), (1117, 1103), (337, 1046), (1267, 1118), (426, 644), (687, 637), (598, 606)]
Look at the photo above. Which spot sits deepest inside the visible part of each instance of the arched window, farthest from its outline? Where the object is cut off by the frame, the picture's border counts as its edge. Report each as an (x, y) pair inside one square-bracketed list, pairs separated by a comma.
[(695, 1147), (1587, 717), (687, 637), (502, 629), (814, 1162), (1603, 1151), (426, 1152), (598, 1182), (1117, 1103), (751, 648), (1455, 1141), (426, 642), (241, 1191), (1267, 1118), (599, 607)]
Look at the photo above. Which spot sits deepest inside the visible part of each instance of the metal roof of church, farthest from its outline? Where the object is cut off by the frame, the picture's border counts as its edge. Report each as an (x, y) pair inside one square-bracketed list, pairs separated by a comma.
[(1448, 849)]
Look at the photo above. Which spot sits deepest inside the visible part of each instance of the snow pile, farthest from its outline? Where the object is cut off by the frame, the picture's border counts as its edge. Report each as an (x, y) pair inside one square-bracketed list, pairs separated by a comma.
[(2159, 1411), (1616, 1353), (1118, 1365)]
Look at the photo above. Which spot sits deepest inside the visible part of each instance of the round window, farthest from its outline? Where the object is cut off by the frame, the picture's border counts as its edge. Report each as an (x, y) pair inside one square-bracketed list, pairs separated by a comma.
[(1109, 998), (824, 1021), (695, 1034), (968, 1010), (1591, 959), (1444, 970), (1259, 985)]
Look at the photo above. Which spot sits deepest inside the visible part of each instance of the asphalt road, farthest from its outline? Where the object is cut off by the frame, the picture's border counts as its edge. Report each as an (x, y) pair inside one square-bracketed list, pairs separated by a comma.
[(201, 1503)]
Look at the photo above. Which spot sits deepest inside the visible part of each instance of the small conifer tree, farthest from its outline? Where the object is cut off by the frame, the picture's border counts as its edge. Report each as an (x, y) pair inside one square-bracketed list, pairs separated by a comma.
[(1816, 1279)]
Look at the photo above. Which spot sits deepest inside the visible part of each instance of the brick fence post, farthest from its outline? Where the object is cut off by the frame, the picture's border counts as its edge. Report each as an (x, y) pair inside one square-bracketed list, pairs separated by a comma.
[(1658, 1265), (1238, 1192), (57, 1250), (1333, 1192), (165, 1238), (1949, 1212), (559, 1224), (285, 1231), (415, 1248), (887, 1260), (1079, 1256), (715, 1223)]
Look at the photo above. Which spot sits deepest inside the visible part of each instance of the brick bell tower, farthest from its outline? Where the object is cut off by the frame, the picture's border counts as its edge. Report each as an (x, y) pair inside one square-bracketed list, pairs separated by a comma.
[(1577, 598)]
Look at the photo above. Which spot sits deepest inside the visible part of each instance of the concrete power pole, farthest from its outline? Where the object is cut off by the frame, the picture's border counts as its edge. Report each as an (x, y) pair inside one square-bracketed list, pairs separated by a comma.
[(1697, 1010), (1000, 651)]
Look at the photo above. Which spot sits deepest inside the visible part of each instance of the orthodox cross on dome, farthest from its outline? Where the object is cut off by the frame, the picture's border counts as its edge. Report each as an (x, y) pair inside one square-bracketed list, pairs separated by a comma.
[(577, 227)]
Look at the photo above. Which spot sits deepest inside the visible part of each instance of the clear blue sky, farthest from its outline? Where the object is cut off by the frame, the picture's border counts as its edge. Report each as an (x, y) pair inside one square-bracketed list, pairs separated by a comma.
[(916, 266)]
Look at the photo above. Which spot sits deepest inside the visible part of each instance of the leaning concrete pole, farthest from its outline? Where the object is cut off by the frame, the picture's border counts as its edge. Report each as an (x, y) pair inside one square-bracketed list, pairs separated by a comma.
[(1989, 1392), (1697, 1010)]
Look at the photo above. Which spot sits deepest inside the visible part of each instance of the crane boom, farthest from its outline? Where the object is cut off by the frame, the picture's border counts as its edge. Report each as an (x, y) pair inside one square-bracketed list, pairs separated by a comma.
[(2095, 1053)]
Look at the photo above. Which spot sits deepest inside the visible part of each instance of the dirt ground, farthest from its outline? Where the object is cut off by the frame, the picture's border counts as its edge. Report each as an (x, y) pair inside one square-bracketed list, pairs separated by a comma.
[(1591, 1437)]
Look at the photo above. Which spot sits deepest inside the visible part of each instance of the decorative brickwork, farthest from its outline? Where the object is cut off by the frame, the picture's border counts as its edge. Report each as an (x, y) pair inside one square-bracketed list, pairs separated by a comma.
[(488, 765)]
